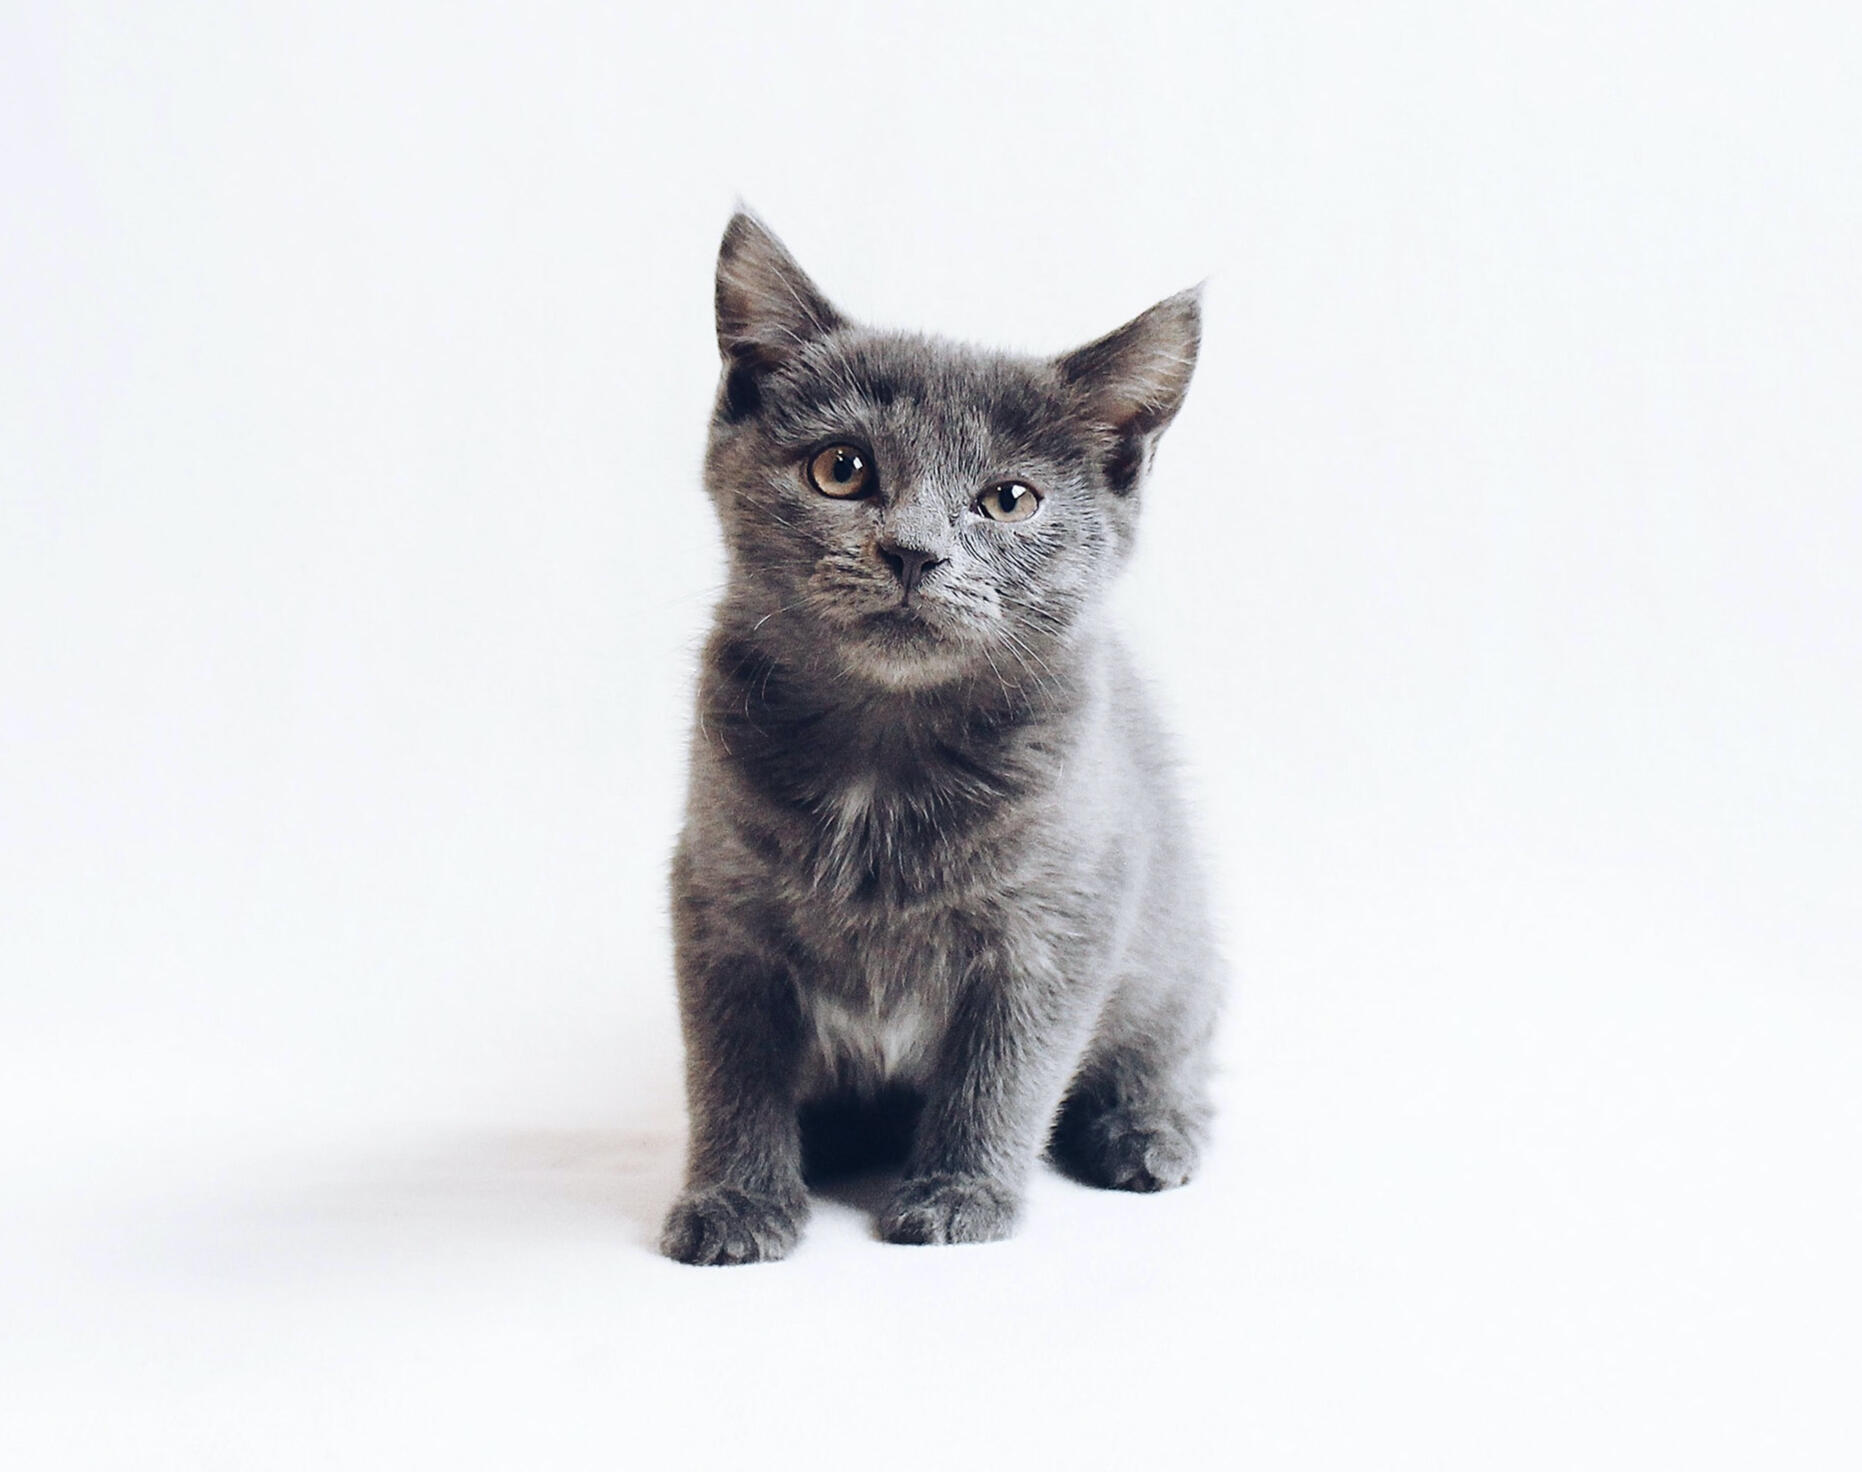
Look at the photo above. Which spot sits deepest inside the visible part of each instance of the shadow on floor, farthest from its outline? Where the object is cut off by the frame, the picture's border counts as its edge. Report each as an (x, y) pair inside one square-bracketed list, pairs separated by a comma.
[(415, 1203)]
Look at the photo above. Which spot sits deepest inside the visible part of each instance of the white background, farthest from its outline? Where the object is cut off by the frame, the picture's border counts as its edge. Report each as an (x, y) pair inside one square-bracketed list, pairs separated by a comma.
[(1500, 577)]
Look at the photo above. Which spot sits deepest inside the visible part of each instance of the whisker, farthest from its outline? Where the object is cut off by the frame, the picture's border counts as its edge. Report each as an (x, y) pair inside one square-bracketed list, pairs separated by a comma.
[(786, 608)]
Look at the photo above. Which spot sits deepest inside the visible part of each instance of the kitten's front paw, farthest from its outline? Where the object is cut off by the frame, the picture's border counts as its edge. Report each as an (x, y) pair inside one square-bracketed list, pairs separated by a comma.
[(940, 1209), (723, 1225), (1134, 1150)]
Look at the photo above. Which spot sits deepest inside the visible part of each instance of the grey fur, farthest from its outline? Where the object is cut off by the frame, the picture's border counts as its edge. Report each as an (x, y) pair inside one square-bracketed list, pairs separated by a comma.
[(933, 890)]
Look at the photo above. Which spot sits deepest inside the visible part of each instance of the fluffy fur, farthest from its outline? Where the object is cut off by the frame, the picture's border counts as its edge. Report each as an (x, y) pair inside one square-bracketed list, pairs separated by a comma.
[(933, 896)]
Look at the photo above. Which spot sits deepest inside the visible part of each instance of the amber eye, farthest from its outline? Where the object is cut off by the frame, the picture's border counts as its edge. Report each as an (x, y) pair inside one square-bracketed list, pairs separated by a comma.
[(1010, 501), (841, 470)]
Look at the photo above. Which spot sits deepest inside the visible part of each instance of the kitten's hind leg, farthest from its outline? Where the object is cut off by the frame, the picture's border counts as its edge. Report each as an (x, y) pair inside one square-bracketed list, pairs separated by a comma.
[(1134, 1120)]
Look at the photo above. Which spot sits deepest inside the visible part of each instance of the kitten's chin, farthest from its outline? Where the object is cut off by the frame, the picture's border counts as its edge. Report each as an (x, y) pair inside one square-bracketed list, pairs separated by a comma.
[(898, 672), (902, 653)]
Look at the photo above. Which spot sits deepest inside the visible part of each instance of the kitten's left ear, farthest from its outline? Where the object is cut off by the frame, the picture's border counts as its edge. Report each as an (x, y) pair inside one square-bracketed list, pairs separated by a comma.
[(1132, 380)]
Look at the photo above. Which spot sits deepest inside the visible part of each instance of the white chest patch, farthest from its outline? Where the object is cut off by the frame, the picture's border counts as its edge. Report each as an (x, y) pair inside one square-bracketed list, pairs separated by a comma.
[(852, 801), (857, 1046)]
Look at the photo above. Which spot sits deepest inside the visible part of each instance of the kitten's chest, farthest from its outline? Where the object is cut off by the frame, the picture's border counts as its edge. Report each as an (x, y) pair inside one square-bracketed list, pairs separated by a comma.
[(904, 835), (863, 1042), (878, 991)]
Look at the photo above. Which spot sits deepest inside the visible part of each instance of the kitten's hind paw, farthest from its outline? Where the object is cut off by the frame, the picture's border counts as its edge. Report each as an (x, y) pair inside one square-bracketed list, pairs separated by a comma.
[(942, 1209), (721, 1225), (1128, 1150)]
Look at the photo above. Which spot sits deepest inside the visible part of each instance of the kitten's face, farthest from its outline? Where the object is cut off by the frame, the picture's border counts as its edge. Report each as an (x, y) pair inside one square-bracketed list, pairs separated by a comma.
[(912, 512), (867, 454)]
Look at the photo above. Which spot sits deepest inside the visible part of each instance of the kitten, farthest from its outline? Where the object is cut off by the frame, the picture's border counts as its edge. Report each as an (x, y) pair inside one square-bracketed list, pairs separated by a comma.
[(933, 882)]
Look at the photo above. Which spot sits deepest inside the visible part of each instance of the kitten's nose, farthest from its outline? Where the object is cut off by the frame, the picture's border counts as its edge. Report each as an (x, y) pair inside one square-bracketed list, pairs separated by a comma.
[(908, 564)]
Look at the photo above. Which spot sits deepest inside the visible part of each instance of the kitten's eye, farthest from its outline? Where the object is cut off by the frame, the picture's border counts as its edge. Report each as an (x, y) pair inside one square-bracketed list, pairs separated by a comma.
[(841, 470), (1010, 501)]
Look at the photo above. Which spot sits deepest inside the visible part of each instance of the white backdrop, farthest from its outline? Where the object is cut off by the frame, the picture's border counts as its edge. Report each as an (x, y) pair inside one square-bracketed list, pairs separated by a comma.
[(1500, 577)]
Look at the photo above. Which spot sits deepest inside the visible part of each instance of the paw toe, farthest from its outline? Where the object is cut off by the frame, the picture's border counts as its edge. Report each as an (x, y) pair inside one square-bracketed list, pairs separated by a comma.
[(723, 1226), (1153, 1160), (1134, 1151), (940, 1210)]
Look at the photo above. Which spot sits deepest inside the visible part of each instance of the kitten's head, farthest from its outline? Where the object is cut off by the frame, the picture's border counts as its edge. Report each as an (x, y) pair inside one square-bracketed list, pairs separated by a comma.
[(915, 511)]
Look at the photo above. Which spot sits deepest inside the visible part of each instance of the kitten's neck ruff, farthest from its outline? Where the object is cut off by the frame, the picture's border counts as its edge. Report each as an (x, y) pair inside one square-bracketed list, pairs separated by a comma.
[(804, 734)]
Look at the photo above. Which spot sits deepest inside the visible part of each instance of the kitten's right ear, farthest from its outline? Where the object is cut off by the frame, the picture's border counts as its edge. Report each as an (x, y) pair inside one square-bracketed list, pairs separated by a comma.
[(768, 309)]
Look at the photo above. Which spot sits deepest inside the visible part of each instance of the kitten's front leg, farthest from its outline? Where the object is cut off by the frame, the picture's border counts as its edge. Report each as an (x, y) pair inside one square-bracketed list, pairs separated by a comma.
[(744, 1200), (1011, 1047)]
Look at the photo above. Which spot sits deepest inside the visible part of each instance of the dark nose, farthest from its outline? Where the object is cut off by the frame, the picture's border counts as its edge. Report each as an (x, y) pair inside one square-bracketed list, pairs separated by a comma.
[(908, 564)]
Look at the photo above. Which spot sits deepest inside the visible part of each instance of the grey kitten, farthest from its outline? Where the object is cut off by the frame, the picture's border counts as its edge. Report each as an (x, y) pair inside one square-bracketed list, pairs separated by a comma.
[(933, 897)]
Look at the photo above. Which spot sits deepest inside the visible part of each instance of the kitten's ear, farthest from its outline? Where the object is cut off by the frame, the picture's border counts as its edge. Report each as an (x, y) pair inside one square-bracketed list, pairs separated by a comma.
[(767, 306), (1132, 380)]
